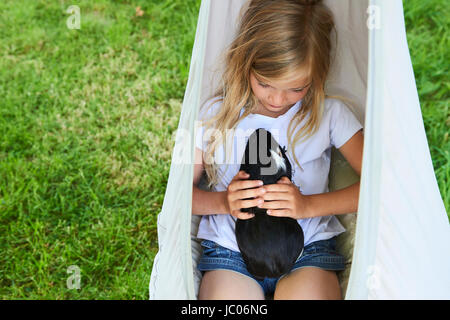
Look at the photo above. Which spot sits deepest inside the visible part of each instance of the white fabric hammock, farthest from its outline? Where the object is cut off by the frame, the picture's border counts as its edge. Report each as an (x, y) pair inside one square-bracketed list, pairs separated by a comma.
[(400, 247)]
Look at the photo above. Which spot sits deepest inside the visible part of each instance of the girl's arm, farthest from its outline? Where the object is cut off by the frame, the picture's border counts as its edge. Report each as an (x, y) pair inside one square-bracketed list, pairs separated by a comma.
[(205, 202), (208, 202), (336, 202), (343, 200)]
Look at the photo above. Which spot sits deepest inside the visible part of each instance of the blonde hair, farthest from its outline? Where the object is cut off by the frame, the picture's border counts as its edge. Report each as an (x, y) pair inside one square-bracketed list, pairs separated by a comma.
[(276, 40)]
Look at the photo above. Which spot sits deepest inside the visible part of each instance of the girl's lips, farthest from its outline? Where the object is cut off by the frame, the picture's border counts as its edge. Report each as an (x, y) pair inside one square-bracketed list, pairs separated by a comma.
[(274, 106)]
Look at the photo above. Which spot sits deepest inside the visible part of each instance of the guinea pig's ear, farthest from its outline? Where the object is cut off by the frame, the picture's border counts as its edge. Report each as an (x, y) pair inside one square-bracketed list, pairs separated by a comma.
[(279, 152)]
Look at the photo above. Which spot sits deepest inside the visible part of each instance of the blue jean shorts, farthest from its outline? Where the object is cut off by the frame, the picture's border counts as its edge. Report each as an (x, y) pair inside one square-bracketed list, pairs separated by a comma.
[(321, 254)]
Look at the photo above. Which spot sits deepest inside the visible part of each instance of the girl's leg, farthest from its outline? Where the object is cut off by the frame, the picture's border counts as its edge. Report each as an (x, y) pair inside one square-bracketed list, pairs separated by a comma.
[(229, 285), (309, 283)]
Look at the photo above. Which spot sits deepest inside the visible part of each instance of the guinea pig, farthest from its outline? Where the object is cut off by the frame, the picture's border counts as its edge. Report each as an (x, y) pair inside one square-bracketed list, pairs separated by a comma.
[(269, 245)]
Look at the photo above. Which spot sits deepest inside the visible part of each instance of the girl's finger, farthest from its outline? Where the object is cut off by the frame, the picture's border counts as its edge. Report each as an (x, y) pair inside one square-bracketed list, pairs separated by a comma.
[(244, 189), (278, 213), (243, 184), (240, 176), (276, 196), (250, 203), (246, 184), (284, 180), (278, 187), (243, 215), (249, 194), (276, 204)]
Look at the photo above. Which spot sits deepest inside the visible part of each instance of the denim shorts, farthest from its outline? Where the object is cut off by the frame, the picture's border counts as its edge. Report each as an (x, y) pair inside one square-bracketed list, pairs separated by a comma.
[(321, 254)]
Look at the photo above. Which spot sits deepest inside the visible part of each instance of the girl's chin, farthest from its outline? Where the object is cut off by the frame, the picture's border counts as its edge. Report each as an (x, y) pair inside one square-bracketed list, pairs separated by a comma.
[(267, 108), (275, 107)]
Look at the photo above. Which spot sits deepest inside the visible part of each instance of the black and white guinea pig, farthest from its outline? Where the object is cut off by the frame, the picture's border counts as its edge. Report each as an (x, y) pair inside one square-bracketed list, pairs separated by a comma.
[(269, 245)]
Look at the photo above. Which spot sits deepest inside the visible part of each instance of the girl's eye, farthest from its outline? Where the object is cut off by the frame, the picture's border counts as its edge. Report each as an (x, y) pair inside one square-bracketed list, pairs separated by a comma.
[(299, 90), (263, 85)]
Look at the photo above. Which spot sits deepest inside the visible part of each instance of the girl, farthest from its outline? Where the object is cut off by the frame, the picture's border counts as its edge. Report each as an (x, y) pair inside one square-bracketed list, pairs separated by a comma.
[(274, 79)]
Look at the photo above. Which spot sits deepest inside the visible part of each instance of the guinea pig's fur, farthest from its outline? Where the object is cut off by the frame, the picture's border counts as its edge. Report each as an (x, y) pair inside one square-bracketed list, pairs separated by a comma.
[(269, 245)]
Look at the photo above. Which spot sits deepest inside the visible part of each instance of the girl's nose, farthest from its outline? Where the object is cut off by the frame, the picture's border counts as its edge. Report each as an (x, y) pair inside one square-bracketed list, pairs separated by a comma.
[(277, 98)]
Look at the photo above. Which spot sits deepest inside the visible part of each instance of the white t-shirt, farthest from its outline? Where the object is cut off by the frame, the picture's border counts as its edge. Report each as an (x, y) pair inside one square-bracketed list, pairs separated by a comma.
[(337, 127)]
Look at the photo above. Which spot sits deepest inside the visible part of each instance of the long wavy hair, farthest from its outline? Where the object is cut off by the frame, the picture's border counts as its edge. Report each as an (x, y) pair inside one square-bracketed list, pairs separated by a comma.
[(276, 40)]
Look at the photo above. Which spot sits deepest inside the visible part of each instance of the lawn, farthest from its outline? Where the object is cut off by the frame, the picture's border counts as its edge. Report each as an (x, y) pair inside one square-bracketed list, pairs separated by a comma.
[(86, 120)]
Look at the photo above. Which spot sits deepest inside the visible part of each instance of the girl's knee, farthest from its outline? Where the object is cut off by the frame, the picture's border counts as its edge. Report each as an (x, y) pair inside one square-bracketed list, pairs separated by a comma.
[(229, 285), (309, 284)]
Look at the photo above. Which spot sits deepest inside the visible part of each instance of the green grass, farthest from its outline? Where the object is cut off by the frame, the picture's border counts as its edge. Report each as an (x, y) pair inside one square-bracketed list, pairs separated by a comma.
[(86, 119), (428, 33)]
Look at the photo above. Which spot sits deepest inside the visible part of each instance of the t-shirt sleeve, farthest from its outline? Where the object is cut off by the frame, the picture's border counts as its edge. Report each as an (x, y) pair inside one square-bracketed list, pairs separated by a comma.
[(343, 124), (205, 113), (199, 135)]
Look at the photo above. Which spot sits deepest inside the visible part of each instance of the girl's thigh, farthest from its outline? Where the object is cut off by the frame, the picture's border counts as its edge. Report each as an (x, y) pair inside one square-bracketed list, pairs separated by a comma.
[(309, 283), (229, 285)]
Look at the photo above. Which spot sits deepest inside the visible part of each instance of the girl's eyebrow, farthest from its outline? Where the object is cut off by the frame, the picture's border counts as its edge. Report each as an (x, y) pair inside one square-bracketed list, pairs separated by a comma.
[(299, 88)]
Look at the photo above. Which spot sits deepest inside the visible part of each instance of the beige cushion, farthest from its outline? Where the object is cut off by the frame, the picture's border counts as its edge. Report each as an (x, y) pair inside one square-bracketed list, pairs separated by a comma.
[(342, 175)]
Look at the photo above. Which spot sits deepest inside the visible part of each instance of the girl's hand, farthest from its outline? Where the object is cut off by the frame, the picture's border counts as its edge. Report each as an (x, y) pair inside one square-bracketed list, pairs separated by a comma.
[(288, 200), (239, 189)]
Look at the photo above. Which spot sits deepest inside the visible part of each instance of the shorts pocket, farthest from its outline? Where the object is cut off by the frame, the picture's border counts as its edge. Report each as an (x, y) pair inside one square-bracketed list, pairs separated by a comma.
[(208, 244), (321, 246), (214, 250), (209, 248)]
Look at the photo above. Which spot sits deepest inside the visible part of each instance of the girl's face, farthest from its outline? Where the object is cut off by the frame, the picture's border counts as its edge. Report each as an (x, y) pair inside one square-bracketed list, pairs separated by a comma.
[(275, 97)]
